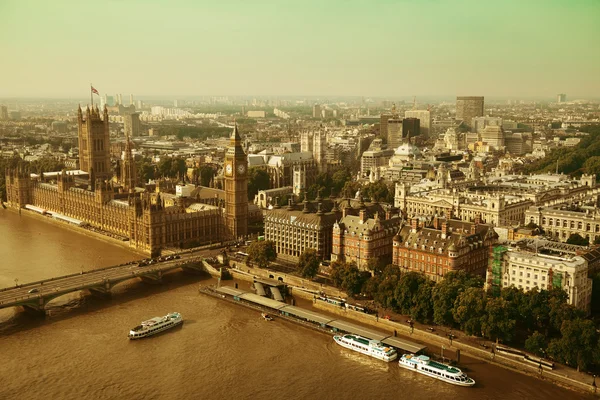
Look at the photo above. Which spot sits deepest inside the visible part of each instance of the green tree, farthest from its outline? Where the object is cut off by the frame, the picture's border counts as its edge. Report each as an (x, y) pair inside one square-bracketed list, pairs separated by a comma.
[(172, 167), (536, 344), (445, 294), (422, 309), (383, 285), (496, 322), (406, 291), (576, 238), (578, 345), (258, 179), (146, 170), (339, 179), (348, 277), (206, 174), (308, 264), (469, 309), (592, 166), (262, 253)]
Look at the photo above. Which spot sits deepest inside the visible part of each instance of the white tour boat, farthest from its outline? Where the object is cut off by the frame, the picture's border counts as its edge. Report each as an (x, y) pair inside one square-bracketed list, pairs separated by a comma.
[(423, 365), (156, 325), (373, 348)]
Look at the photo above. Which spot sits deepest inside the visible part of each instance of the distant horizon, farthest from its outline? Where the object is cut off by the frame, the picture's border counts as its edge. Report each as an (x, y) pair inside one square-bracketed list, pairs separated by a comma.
[(511, 49), (419, 99)]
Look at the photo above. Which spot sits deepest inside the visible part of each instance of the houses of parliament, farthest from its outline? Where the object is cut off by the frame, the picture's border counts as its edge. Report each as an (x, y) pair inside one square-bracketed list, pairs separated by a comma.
[(151, 219)]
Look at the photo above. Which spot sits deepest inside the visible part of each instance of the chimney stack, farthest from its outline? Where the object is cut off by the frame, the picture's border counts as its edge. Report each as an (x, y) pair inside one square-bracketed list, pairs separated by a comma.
[(362, 215), (414, 223), (444, 230), (436, 222)]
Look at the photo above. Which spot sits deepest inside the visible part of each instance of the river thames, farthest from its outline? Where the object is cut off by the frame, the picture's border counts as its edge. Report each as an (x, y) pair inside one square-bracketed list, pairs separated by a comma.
[(222, 351)]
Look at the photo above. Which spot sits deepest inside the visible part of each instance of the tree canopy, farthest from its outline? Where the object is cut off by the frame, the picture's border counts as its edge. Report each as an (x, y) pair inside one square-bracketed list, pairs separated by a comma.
[(576, 238), (308, 263), (258, 179), (262, 253)]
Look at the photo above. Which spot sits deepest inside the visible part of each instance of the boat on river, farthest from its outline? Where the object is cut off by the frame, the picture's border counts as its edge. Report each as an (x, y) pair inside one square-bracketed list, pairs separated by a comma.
[(424, 365), (369, 347), (266, 317), (155, 325)]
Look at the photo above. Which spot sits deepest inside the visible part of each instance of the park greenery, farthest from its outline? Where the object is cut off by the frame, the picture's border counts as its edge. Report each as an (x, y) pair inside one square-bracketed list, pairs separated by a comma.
[(541, 321), (581, 159)]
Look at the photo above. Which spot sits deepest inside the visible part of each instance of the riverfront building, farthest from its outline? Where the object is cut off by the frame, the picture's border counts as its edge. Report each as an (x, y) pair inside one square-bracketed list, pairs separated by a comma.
[(117, 206), (295, 229), (436, 246), (359, 238), (543, 265)]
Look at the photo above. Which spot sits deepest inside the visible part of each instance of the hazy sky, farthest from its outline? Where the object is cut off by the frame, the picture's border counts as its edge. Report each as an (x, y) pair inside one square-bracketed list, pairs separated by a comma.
[(300, 47)]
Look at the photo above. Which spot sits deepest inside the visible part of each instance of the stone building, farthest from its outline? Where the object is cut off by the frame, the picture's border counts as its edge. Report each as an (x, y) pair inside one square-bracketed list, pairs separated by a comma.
[(94, 143), (491, 208), (562, 221), (281, 167), (296, 228), (542, 265), (368, 235), (436, 246), (119, 208)]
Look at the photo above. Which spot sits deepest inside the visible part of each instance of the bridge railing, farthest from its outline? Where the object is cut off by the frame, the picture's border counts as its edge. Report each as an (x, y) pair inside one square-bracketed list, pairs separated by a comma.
[(65, 276), (190, 251)]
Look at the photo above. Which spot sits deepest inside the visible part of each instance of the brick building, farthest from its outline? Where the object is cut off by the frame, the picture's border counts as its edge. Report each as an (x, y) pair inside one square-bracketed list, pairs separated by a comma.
[(437, 246), (359, 238)]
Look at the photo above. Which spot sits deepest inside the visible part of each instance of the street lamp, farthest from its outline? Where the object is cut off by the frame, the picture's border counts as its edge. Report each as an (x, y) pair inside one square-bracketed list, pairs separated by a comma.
[(16, 282), (443, 348)]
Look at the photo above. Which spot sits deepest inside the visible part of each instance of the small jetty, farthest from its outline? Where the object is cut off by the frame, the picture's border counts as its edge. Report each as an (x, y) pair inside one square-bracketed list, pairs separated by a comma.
[(308, 318)]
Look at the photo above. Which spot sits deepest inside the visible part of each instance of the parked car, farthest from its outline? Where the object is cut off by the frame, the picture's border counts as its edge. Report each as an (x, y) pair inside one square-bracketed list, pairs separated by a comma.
[(34, 290)]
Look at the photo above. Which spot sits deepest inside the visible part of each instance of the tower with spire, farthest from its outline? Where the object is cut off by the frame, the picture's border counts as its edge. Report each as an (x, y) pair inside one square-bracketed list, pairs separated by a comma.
[(128, 168), (94, 142), (236, 187)]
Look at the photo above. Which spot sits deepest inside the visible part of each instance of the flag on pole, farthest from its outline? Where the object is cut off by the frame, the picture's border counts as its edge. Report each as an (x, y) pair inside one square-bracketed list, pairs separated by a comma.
[(95, 91)]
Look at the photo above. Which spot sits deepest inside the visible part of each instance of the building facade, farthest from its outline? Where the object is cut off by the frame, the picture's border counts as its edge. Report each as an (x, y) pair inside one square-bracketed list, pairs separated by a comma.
[(562, 221), (468, 107), (94, 143), (149, 221), (541, 265), (424, 117), (236, 187), (437, 246), (368, 235), (131, 124), (295, 229)]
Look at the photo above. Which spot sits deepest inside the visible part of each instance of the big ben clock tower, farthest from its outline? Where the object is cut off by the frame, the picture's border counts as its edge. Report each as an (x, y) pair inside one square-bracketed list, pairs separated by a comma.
[(236, 187)]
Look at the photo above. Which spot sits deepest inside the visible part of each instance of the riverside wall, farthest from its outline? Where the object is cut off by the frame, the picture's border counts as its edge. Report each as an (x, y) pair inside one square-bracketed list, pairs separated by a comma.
[(306, 289)]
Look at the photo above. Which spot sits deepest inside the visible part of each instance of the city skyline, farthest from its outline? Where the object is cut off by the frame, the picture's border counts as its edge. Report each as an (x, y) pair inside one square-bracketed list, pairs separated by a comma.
[(434, 48)]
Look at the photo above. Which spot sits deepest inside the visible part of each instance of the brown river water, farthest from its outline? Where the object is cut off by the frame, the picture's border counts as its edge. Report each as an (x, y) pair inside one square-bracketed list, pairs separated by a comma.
[(222, 351)]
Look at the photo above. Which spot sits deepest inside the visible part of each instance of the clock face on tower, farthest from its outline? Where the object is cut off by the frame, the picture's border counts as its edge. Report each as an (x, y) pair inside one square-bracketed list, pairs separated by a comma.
[(241, 168), (228, 169)]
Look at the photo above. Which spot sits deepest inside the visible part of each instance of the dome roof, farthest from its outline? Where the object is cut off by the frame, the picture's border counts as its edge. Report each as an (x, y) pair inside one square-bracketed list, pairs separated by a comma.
[(408, 149)]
